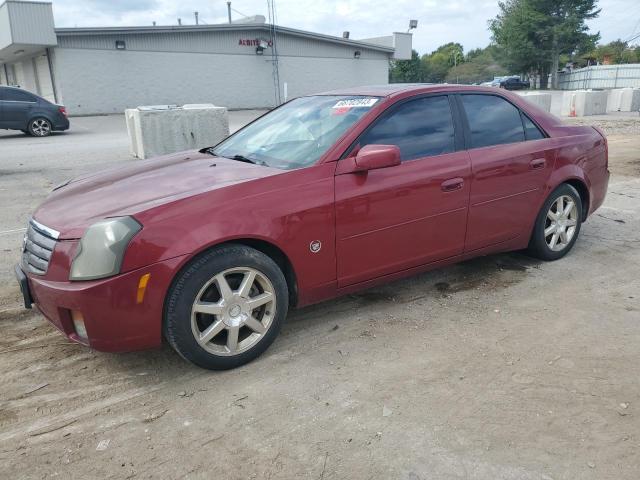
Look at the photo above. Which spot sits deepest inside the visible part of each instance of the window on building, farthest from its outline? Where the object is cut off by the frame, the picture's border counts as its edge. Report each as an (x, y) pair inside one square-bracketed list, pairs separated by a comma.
[(492, 120), (420, 128)]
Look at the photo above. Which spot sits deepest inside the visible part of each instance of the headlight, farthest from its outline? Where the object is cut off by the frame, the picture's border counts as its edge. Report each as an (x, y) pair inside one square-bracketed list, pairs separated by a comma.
[(102, 248)]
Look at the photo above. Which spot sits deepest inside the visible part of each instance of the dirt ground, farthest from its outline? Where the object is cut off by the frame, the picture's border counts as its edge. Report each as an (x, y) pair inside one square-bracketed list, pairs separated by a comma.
[(497, 368)]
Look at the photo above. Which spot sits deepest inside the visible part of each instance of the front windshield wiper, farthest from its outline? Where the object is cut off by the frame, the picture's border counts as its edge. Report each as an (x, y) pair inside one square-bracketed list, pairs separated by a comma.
[(240, 158)]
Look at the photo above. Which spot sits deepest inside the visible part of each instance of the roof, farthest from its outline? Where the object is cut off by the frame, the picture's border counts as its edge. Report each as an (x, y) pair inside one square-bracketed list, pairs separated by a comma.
[(262, 27), (395, 88)]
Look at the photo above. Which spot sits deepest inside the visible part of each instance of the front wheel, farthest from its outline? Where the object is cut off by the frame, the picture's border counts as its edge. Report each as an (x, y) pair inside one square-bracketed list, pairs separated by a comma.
[(226, 307), (40, 127), (557, 225)]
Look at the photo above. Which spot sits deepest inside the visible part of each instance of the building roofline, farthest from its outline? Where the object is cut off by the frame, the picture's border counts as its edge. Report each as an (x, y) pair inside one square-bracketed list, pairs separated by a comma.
[(218, 27), (24, 1)]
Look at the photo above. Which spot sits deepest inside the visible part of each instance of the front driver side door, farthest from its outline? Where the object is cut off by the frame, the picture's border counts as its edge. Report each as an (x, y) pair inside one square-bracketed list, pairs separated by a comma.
[(392, 219)]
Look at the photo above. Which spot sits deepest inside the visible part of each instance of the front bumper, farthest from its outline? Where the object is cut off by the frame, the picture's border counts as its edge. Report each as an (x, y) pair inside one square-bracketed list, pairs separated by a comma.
[(114, 319)]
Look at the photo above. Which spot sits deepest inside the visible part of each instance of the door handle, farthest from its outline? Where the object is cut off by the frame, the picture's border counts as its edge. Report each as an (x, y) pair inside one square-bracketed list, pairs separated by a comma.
[(452, 184), (537, 163)]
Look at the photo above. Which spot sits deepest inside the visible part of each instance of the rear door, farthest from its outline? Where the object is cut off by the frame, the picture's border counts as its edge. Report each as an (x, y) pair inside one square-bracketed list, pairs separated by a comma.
[(511, 161), (392, 219), (17, 106)]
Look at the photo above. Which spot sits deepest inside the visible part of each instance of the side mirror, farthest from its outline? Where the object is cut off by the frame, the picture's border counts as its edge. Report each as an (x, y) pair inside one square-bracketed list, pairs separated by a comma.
[(372, 157)]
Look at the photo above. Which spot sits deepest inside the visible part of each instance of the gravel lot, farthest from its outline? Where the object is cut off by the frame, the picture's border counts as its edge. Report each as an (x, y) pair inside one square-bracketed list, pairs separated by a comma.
[(497, 368)]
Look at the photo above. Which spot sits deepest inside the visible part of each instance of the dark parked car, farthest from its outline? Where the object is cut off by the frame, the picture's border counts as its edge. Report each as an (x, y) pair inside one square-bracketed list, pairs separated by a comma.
[(326, 195), (22, 110), (514, 83)]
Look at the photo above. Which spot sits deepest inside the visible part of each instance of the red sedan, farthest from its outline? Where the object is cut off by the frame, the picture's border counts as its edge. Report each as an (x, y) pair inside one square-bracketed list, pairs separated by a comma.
[(322, 196)]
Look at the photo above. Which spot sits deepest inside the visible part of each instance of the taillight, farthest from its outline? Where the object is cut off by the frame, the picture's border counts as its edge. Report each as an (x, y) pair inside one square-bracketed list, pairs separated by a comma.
[(63, 110)]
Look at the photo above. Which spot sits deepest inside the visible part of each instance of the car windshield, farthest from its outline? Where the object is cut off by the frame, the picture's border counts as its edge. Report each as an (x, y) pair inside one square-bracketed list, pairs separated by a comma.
[(298, 133)]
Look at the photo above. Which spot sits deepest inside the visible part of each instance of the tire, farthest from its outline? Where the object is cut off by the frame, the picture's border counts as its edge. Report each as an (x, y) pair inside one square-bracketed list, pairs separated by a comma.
[(202, 317), (544, 246), (40, 127)]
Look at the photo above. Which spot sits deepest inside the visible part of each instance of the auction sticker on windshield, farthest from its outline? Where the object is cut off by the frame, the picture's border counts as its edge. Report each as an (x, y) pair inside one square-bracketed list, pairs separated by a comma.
[(356, 102)]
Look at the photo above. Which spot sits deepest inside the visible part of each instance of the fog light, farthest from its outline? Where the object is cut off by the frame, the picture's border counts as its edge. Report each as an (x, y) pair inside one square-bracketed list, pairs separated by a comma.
[(78, 324)]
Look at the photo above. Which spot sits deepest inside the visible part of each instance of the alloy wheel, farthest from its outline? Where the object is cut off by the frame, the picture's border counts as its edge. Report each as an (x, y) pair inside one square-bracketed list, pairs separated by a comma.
[(233, 311), (561, 222), (40, 127)]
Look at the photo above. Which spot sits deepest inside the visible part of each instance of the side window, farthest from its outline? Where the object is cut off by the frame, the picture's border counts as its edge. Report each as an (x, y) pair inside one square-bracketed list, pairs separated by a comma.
[(420, 128), (492, 120), (14, 95), (531, 131)]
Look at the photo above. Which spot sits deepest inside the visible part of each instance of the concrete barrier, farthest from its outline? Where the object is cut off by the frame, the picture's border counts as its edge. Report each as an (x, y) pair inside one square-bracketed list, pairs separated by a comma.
[(162, 129), (624, 100), (581, 103), (541, 99)]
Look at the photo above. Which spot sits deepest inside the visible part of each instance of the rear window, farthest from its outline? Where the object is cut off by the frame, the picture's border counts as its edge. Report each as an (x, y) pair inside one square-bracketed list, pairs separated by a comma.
[(14, 95), (492, 120)]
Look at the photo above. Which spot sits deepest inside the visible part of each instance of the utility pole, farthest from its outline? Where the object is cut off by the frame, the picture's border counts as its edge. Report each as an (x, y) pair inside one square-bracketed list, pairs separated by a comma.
[(229, 11)]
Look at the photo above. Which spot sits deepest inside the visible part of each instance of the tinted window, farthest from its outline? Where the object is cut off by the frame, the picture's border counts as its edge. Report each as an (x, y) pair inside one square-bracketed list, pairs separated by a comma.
[(530, 130), (17, 95), (420, 128), (492, 120)]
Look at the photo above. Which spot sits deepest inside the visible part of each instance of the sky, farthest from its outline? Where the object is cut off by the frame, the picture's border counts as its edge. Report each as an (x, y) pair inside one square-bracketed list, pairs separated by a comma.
[(439, 21)]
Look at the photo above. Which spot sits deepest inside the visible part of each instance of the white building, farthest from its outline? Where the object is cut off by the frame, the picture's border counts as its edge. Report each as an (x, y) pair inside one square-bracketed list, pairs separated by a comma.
[(237, 65)]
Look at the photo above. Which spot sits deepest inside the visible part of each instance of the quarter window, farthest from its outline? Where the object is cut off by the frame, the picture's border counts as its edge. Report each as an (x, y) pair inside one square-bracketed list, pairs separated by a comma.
[(420, 128), (492, 120), (531, 131)]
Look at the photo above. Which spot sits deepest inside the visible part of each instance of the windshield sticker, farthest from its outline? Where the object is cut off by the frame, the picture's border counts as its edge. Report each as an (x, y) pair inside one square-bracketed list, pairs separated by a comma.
[(356, 102)]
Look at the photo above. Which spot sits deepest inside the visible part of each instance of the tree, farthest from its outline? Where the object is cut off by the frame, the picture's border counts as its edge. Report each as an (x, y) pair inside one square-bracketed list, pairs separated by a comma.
[(407, 71), (480, 65), (436, 65), (616, 52), (532, 34)]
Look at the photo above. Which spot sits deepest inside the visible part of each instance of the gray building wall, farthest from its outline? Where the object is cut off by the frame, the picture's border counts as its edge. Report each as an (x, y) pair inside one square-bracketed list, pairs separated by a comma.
[(31, 23), (202, 67)]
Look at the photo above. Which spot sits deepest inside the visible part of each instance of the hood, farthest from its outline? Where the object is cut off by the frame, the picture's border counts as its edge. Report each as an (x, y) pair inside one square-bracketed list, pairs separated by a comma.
[(73, 206)]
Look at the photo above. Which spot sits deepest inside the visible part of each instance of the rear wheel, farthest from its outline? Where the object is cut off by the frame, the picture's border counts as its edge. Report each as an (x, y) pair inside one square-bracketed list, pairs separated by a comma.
[(226, 307), (40, 127), (558, 224)]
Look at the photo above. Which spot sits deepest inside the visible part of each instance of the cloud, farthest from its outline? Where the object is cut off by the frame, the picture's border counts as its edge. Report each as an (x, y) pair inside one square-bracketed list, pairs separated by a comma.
[(438, 22)]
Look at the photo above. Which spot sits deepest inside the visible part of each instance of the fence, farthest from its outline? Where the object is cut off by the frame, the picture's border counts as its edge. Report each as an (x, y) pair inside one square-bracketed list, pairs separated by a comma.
[(601, 76)]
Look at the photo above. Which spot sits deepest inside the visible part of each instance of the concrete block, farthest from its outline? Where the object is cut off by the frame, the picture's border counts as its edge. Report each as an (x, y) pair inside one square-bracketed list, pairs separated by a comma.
[(541, 99), (160, 130), (131, 130), (624, 100), (580, 103)]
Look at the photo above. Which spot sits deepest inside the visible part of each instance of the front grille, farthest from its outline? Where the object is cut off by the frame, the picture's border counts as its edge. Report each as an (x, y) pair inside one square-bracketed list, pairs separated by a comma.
[(37, 247)]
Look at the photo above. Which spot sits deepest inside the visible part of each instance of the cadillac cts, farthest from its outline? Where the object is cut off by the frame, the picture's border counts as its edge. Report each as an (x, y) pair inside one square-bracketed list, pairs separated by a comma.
[(322, 196)]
